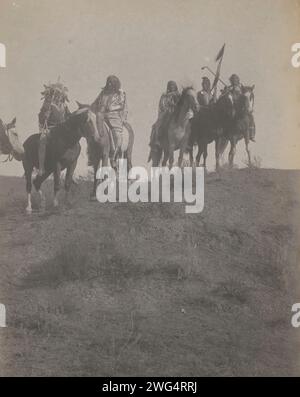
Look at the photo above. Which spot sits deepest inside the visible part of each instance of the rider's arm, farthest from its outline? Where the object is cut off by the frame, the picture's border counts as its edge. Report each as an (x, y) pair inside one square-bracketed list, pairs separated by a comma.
[(118, 102), (44, 114), (67, 111), (162, 104), (125, 109)]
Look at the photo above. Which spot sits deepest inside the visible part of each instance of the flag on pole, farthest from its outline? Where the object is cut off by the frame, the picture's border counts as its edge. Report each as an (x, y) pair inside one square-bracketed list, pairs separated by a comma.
[(220, 53), (220, 59)]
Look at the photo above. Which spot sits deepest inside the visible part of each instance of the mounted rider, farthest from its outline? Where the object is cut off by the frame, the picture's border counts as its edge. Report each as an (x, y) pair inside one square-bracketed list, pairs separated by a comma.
[(205, 97), (166, 107), (236, 89), (53, 112), (111, 106)]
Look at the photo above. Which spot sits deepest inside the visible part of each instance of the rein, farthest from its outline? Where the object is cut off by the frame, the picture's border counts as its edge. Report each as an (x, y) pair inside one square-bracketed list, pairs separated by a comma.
[(10, 157)]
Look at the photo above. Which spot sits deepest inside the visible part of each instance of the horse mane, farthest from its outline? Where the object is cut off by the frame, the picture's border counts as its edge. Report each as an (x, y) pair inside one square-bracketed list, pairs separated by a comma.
[(181, 102), (69, 124)]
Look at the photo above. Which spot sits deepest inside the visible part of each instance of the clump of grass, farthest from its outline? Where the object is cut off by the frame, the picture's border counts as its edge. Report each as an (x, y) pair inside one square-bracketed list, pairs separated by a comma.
[(82, 260), (233, 290)]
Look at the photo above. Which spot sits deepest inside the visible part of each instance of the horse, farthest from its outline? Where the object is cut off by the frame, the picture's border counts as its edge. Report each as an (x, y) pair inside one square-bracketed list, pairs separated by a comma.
[(176, 131), (222, 122), (62, 151), (9, 141), (241, 123), (208, 126), (101, 146)]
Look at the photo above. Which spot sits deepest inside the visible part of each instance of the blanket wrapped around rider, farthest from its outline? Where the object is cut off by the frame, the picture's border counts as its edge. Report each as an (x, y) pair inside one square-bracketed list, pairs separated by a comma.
[(166, 107), (110, 107)]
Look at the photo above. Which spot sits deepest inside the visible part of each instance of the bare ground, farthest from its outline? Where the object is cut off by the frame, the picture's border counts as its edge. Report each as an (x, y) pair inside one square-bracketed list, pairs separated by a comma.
[(144, 289)]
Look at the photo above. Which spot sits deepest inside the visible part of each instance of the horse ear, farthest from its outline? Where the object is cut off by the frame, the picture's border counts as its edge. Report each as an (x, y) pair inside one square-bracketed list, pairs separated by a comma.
[(252, 88), (83, 105), (13, 122)]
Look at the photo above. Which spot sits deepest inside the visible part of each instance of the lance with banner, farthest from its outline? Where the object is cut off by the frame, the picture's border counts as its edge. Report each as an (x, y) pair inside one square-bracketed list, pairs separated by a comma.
[(219, 58)]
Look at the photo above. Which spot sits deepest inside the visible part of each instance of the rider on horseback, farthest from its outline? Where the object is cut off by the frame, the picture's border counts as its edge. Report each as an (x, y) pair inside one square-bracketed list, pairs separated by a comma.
[(205, 96), (53, 112), (112, 106), (167, 104), (236, 89)]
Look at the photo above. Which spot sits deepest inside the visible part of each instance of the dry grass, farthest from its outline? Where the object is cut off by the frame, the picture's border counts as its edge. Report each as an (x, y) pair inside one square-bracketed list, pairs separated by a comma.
[(144, 289)]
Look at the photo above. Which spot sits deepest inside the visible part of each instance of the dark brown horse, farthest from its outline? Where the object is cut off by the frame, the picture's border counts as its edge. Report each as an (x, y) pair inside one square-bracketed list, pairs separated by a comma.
[(62, 152), (101, 146), (223, 122)]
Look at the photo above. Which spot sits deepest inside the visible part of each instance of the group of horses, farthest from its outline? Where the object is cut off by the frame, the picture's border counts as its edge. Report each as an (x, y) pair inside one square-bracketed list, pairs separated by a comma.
[(223, 122)]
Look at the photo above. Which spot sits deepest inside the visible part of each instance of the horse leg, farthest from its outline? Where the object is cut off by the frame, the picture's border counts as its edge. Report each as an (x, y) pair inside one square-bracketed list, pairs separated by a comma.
[(204, 155), (180, 157), (248, 151), (93, 193), (68, 181), (217, 153), (56, 175), (232, 152), (191, 157), (129, 161), (199, 154), (37, 184), (165, 158), (171, 156), (28, 174)]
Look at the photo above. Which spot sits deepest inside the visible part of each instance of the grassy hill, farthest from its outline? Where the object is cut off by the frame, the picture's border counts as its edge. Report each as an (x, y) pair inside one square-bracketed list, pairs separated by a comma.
[(145, 289)]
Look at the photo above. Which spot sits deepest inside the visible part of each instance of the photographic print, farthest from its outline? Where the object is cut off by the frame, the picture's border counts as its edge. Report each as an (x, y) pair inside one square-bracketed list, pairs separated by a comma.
[(149, 189)]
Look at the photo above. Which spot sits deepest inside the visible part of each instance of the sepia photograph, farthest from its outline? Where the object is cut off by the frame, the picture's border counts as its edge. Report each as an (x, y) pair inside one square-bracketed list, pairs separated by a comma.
[(150, 190)]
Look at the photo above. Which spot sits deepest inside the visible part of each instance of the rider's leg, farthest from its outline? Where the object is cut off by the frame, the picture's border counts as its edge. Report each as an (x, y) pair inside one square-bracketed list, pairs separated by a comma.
[(42, 152), (117, 134), (159, 130)]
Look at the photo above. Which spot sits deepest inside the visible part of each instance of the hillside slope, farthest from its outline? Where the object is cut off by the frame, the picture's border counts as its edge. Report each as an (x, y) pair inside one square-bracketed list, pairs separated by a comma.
[(145, 289)]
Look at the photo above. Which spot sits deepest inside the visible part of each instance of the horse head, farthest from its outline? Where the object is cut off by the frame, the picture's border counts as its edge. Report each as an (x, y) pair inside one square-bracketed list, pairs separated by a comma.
[(9, 140), (86, 120), (187, 102), (225, 108), (82, 105), (248, 91)]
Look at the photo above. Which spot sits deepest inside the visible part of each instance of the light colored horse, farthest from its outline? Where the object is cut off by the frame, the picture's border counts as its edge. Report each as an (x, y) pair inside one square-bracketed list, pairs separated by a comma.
[(10, 144), (101, 149), (176, 131), (241, 123)]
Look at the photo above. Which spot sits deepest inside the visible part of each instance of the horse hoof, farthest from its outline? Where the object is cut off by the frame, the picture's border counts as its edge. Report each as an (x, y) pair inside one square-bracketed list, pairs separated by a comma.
[(28, 211)]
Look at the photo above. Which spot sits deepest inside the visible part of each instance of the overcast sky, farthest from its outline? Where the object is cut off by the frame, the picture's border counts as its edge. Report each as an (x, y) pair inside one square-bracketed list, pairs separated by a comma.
[(146, 43)]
